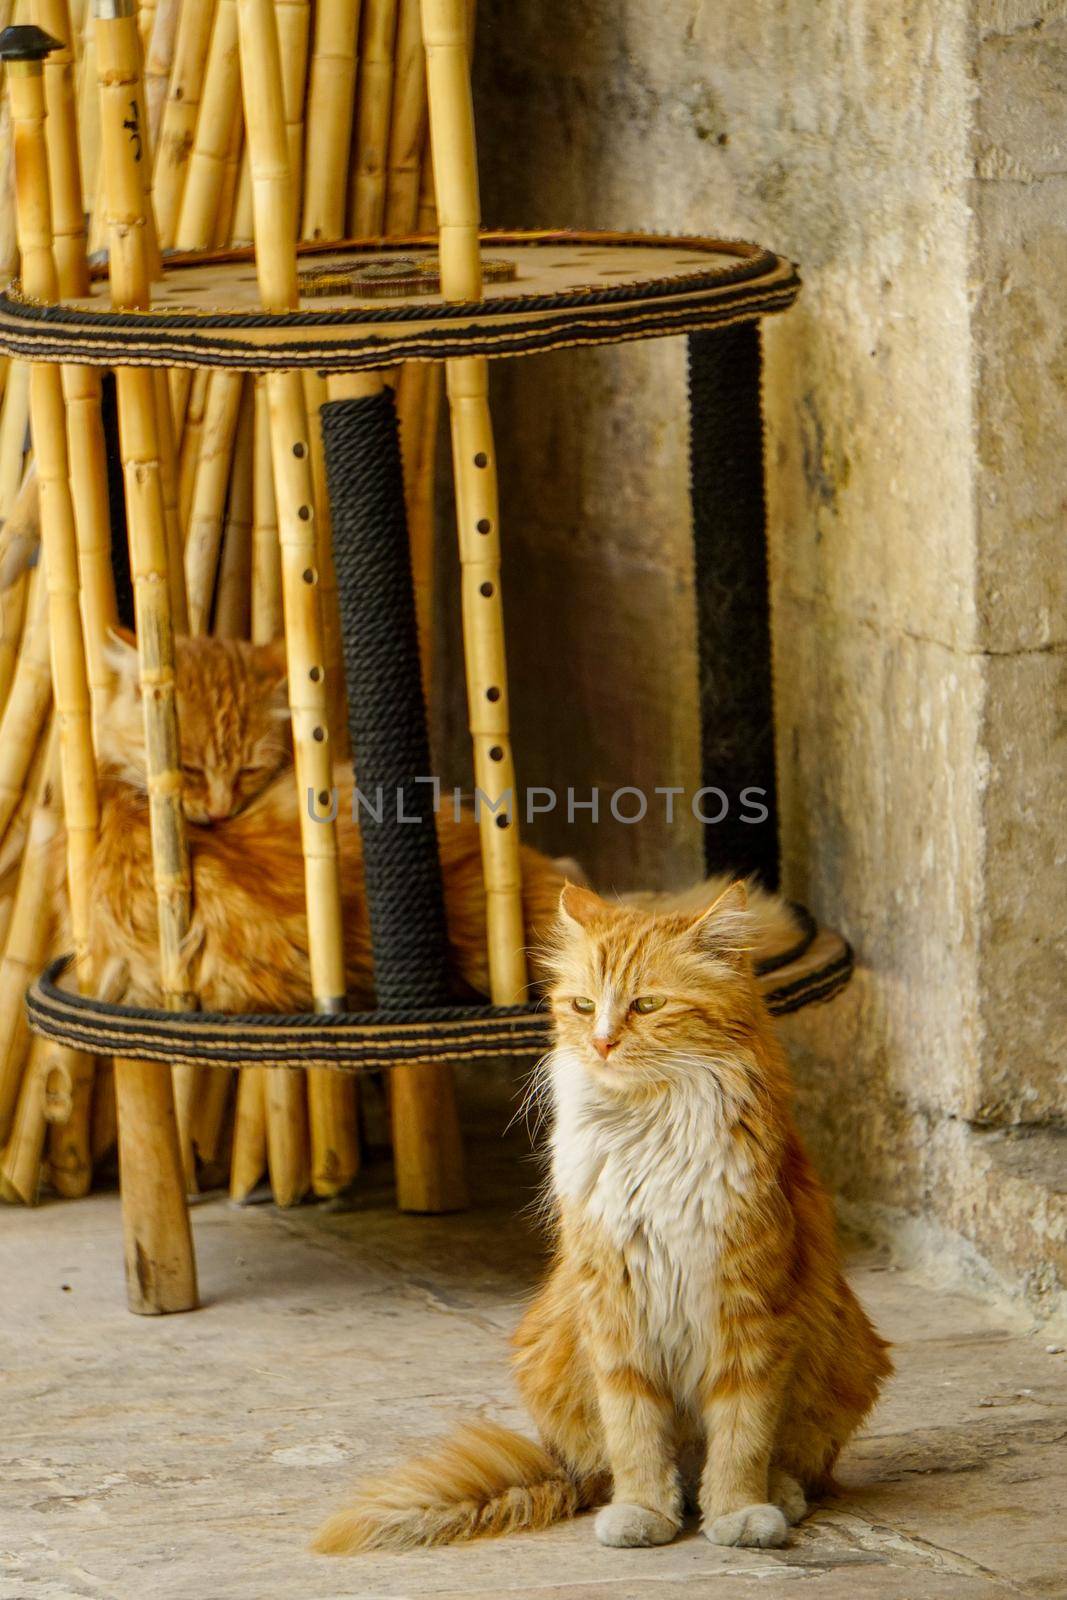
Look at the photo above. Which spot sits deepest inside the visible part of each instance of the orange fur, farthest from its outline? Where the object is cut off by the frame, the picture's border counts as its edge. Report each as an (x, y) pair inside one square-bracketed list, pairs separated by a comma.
[(696, 1307), (247, 942)]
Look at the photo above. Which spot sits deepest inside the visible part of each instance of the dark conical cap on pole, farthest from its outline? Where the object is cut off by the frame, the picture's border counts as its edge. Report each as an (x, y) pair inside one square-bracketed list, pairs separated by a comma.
[(24, 41)]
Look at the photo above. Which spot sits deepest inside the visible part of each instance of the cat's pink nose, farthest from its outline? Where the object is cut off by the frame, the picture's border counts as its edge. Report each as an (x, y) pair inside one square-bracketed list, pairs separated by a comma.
[(602, 1046)]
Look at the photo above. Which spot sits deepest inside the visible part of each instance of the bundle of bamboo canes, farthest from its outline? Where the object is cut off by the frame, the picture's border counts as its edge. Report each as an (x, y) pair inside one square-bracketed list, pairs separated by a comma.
[(353, 88)]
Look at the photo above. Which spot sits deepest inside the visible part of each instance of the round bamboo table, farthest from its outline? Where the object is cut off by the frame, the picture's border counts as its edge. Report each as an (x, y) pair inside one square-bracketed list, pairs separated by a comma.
[(362, 306)]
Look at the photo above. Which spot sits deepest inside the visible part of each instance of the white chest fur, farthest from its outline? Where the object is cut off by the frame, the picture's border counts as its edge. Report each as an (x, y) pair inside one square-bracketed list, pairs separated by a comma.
[(657, 1181)]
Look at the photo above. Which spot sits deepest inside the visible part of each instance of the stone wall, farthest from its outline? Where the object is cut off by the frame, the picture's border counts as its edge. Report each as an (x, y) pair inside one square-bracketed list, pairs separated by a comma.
[(911, 158)]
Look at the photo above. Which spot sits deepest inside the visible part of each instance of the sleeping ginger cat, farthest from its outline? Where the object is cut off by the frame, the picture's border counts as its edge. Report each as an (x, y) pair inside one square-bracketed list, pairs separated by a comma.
[(695, 1338), (248, 936)]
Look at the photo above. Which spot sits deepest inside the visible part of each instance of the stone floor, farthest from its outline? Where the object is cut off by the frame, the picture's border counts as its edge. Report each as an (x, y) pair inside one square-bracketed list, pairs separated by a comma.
[(189, 1458)]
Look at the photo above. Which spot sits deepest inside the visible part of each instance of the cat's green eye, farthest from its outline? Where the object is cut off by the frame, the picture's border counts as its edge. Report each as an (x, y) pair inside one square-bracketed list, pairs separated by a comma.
[(584, 1006), (647, 1002)]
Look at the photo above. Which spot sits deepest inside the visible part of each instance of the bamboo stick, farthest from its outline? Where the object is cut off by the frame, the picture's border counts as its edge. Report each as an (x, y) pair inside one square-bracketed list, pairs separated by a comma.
[(230, 178), (331, 98), (104, 1123), (241, 225), (179, 118), (29, 95), (92, 519), (198, 214), (189, 455), (14, 840), (20, 1160), (179, 386), (285, 1095), (168, 471), (14, 422), (209, 1112), (8, 247), (160, 1266), (89, 116), (419, 407), (366, 195), (20, 535), (64, 168), (267, 620), (208, 507), (407, 132), (159, 47), (27, 703), (294, 19), (12, 615), (315, 393), (274, 215), (53, 264), (477, 510), (233, 600), (27, 931), (249, 1160), (71, 1165)]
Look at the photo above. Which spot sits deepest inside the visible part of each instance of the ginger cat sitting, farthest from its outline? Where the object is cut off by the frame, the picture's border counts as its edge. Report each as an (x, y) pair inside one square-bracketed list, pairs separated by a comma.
[(247, 940), (695, 1338)]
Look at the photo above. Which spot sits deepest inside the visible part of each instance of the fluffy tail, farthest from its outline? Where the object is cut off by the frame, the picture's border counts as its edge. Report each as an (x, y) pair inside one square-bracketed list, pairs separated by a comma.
[(484, 1480), (773, 919)]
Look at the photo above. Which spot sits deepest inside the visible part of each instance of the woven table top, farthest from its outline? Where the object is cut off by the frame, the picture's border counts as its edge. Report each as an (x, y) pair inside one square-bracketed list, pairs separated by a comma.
[(370, 304)]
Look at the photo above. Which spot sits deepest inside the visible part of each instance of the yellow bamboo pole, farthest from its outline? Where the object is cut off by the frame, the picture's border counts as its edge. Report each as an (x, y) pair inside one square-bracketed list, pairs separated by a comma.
[(267, 620), (27, 704), (294, 20), (230, 178), (14, 421), (27, 931), (191, 430), (179, 386), (88, 114), (160, 1266), (249, 1159), (477, 510), (159, 45), (241, 225), (86, 445), (407, 133), (12, 614), (20, 533), (366, 195), (208, 505), (233, 600), (178, 122), (30, 92), (168, 470), (331, 98), (64, 169), (315, 393), (275, 233), (198, 214)]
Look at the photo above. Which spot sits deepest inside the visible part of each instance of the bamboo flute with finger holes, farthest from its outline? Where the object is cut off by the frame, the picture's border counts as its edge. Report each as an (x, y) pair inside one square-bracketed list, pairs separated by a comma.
[(161, 1269)]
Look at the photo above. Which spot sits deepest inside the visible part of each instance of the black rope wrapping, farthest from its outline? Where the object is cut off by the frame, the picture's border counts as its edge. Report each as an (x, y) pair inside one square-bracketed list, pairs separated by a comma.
[(733, 604), (350, 1041), (386, 711)]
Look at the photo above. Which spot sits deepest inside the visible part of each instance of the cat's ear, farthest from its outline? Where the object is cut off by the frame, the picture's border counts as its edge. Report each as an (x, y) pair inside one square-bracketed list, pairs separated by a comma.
[(579, 907), (725, 928), (121, 655)]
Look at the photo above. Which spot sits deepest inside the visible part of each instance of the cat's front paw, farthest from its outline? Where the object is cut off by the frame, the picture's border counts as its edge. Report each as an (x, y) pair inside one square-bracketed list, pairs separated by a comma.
[(626, 1526), (762, 1526)]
